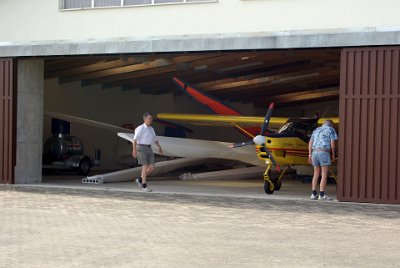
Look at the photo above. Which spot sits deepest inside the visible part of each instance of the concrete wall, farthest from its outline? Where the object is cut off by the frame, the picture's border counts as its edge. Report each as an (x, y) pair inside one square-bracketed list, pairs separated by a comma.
[(42, 20), (29, 121)]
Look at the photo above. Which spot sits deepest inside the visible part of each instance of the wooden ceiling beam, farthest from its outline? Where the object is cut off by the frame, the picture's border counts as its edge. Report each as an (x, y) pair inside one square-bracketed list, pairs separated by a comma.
[(181, 64), (167, 77), (286, 92), (110, 82), (273, 79), (260, 63), (327, 77), (161, 77), (64, 63), (272, 71), (98, 66), (244, 61), (264, 92), (305, 95), (209, 64), (123, 72), (298, 103), (182, 67)]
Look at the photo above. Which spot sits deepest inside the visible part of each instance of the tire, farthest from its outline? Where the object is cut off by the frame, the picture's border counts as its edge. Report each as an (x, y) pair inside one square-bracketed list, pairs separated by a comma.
[(267, 189), (84, 167), (277, 184)]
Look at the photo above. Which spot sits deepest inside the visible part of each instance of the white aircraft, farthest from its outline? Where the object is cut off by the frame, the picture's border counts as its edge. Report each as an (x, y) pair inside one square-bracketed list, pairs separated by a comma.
[(194, 152)]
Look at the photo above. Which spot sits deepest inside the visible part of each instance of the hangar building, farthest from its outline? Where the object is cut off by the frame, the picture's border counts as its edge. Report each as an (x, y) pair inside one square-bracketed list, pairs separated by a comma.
[(108, 60)]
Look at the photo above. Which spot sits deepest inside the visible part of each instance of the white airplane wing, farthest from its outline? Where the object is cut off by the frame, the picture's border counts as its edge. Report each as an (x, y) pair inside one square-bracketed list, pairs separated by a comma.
[(85, 122), (176, 147), (183, 147)]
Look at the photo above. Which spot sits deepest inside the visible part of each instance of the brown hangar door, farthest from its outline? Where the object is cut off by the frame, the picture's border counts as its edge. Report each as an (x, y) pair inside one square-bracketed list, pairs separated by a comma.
[(369, 129), (7, 119)]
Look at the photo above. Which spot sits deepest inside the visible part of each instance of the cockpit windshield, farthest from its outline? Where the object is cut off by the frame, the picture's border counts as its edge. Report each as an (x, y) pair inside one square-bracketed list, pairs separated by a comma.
[(284, 127), (301, 129)]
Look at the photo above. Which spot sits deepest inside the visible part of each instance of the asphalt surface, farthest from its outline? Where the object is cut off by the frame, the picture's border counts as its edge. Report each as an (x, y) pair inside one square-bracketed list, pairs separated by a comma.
[(63, 223)]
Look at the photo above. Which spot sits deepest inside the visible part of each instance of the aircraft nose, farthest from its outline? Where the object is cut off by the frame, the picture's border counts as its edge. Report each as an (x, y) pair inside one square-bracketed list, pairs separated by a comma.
[(259, 139)]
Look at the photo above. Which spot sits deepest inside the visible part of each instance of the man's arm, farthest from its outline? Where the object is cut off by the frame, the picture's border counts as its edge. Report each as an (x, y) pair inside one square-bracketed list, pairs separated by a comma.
[(159, 147), (333, 149), (334, 137), (309, 151), (134, 151), (134, 142)]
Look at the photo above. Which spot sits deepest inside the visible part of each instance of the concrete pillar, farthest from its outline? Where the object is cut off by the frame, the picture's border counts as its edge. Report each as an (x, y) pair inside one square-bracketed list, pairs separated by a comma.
[(29, 121)]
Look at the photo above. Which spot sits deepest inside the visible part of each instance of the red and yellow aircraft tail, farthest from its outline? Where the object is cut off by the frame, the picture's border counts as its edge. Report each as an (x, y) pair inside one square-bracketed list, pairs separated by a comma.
[(215, 105)]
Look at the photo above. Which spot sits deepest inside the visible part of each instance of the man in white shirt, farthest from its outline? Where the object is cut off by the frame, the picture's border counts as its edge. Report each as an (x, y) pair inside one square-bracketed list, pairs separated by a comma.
[(141, 149)]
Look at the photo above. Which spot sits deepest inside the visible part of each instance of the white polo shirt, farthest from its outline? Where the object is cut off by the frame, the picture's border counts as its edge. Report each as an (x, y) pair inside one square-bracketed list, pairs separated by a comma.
[(145, 135)]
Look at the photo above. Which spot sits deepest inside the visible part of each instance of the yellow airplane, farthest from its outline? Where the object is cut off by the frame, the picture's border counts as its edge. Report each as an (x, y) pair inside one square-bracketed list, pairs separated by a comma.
[(286, 147)]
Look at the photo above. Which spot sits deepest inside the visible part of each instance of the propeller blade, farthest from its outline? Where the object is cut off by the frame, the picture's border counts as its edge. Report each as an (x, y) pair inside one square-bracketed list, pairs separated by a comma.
[(241, 144), (272, 158), (266, 118), (260, 139)]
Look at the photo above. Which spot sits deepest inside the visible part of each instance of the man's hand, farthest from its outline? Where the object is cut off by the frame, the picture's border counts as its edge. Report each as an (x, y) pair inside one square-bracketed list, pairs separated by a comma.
[(160, 150), (134, 154), (309, 159)]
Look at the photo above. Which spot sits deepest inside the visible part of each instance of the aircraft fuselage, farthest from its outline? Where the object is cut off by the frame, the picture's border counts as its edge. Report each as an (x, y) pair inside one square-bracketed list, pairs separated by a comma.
[(286, 150)]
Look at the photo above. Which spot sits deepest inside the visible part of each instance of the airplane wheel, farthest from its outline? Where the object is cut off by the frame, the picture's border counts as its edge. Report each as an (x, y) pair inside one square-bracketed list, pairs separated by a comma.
[(267, 188), (277, 184)]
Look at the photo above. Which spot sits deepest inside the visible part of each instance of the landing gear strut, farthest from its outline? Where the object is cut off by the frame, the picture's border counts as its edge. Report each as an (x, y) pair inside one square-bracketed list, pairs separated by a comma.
[(270, 185)]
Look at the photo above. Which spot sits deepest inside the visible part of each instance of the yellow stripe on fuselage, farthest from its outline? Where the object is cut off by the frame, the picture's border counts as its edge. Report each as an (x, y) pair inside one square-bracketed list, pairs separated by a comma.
[(285, 150)]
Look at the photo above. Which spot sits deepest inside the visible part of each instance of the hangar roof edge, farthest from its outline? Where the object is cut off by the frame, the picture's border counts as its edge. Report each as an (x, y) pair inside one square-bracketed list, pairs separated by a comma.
[(371, 36)]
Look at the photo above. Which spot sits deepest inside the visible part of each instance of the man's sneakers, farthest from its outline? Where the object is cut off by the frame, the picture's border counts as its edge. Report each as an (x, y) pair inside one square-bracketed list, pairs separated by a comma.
[(325, 198), (146, 189), (140, 185)]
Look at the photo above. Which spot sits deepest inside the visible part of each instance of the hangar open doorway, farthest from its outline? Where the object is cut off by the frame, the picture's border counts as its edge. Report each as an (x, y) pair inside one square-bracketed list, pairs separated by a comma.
[(183, 66), (300, 82)]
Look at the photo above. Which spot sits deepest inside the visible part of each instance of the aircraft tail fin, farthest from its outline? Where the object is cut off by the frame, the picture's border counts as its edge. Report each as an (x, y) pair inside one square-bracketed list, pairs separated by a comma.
[(217, 106), (213, 103)]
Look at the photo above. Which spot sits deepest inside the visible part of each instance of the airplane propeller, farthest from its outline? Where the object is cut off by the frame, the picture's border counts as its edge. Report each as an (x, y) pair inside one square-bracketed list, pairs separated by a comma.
[(260, 139)]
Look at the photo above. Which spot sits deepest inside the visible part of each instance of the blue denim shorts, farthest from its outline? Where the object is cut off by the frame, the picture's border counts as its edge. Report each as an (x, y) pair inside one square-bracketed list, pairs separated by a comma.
[(321, 159)]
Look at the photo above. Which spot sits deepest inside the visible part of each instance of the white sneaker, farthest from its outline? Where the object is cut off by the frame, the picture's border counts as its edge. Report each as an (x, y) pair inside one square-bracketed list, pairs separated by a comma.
[(139, 184), (314, 197), (325, 198), (147, 189)]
